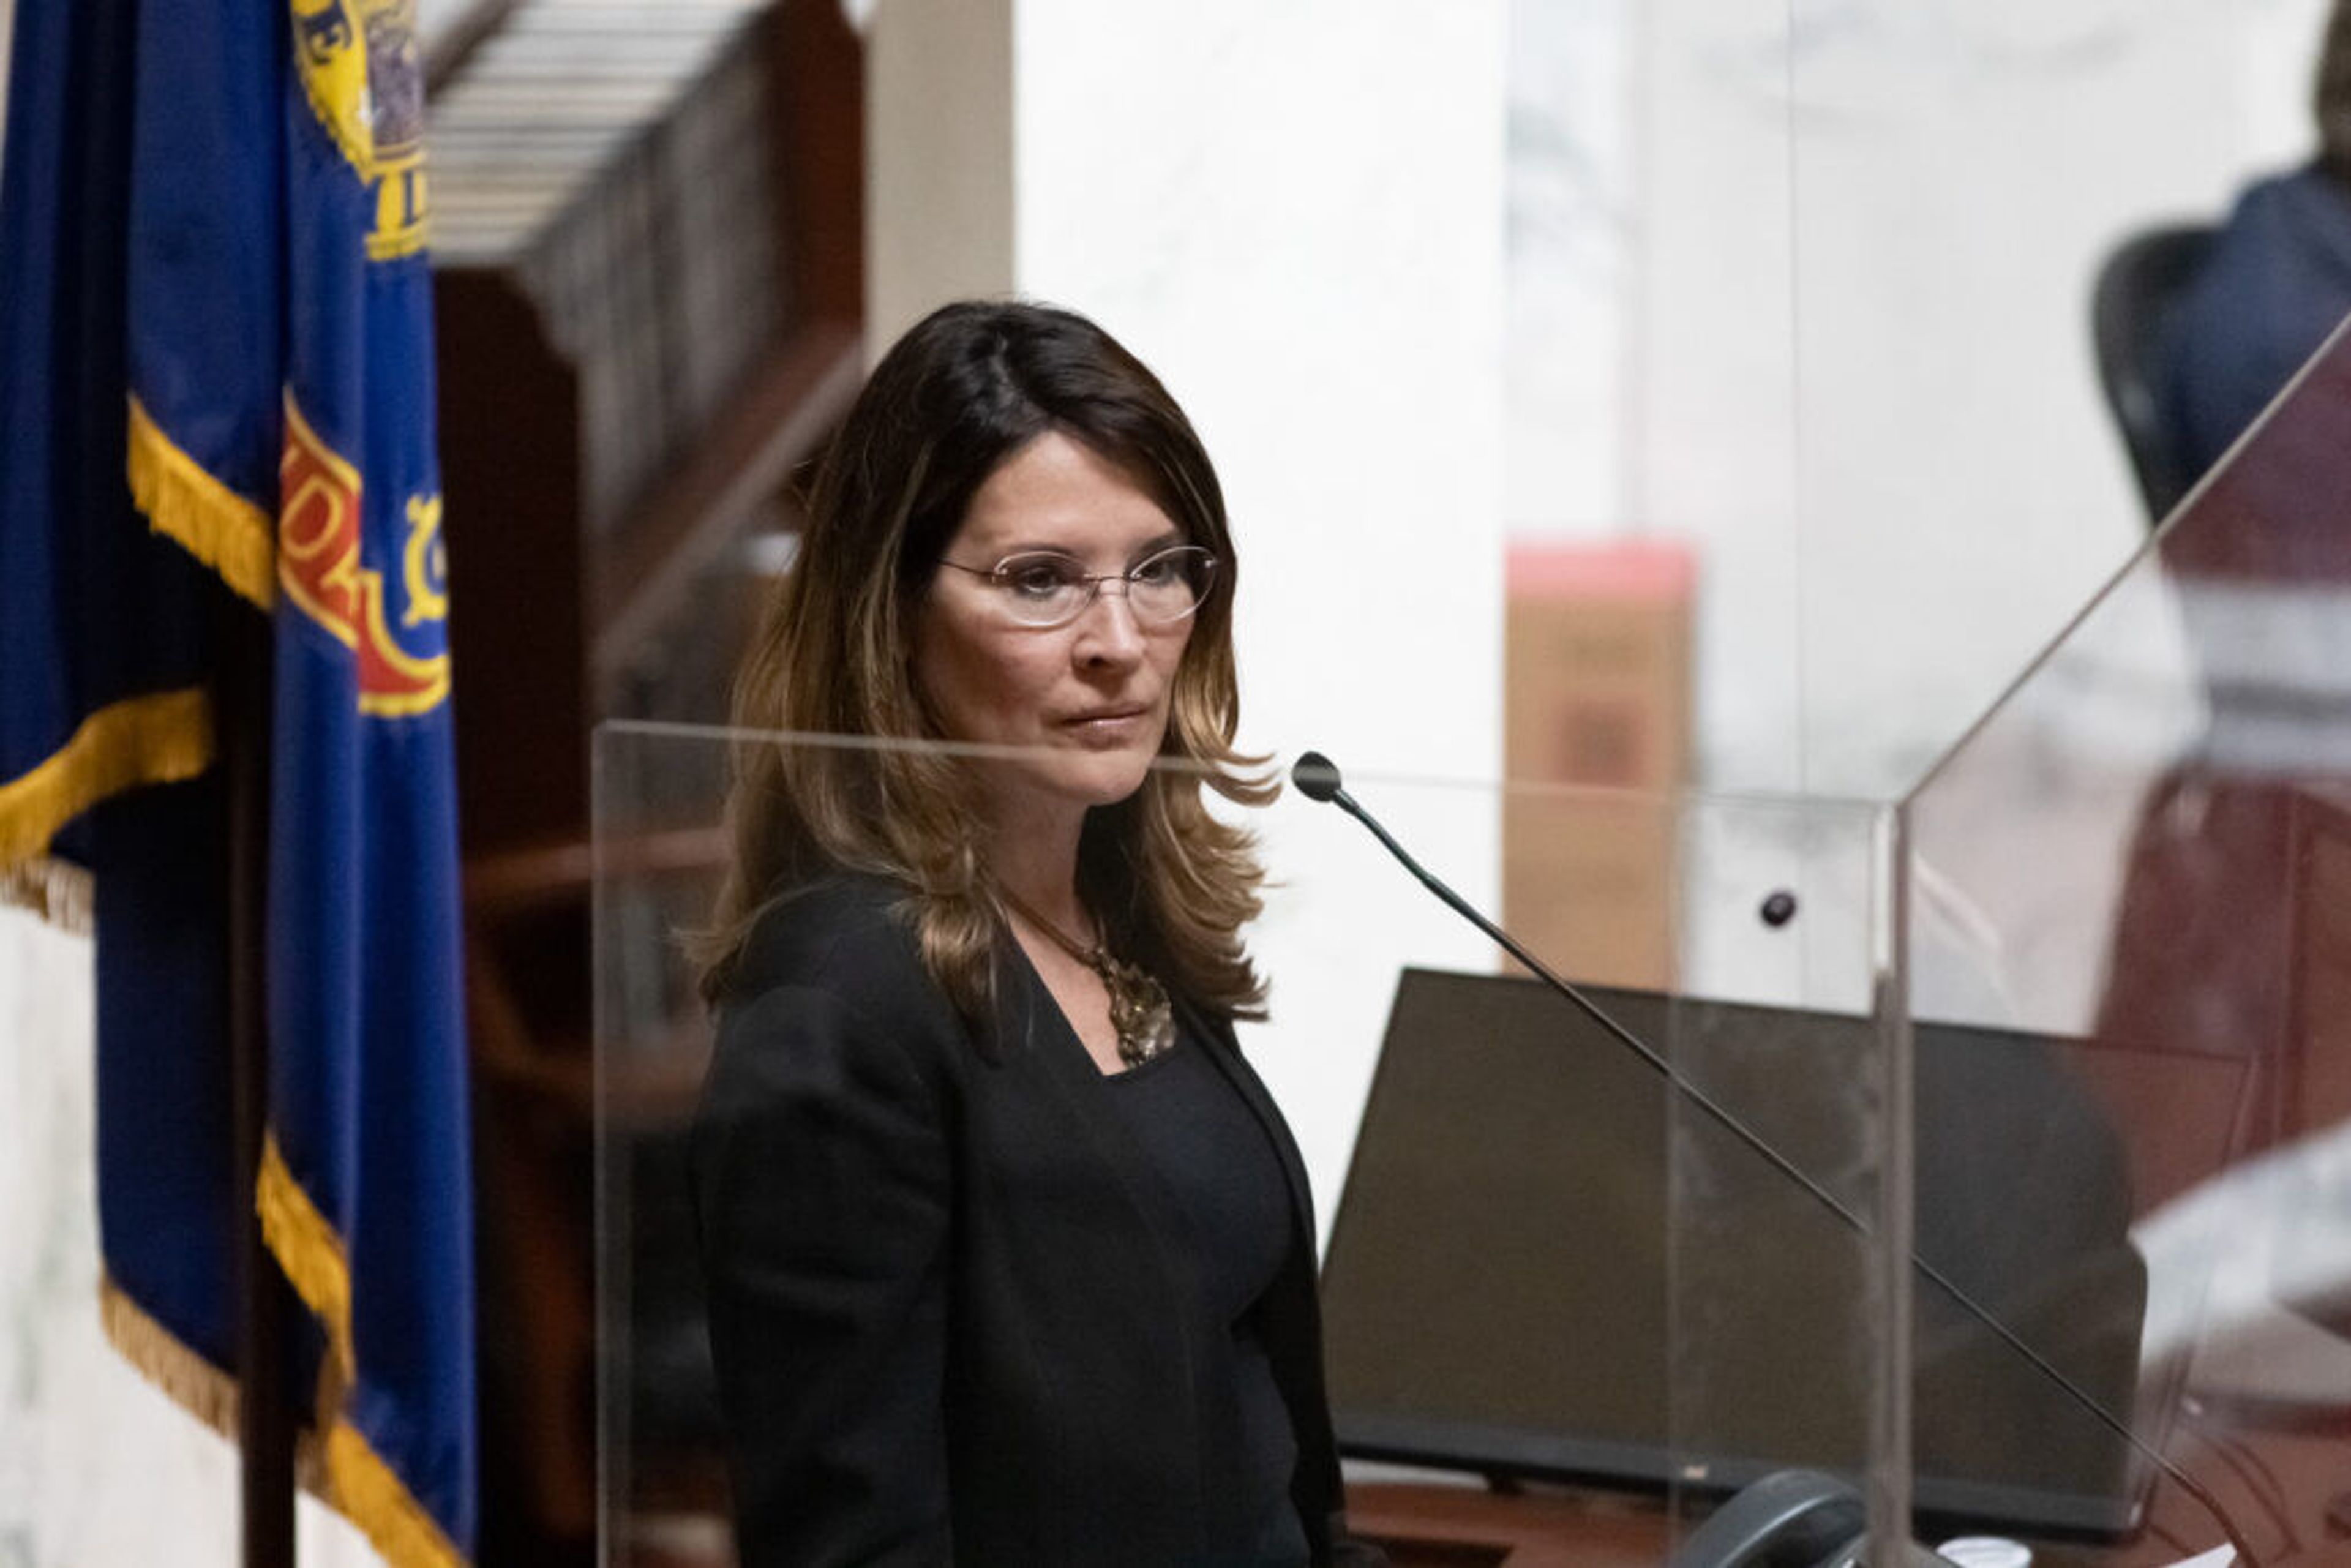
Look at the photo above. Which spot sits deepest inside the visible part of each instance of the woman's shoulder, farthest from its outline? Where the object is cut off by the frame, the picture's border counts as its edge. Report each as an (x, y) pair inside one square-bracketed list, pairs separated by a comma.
[(830, 982), (845, 931)]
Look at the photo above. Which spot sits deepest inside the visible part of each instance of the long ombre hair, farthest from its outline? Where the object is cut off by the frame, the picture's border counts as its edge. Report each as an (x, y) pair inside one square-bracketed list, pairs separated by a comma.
[(2331, 94), (968, 387)]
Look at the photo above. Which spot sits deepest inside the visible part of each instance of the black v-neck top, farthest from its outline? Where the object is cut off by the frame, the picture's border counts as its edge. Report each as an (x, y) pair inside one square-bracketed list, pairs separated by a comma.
[(1215, 1161)]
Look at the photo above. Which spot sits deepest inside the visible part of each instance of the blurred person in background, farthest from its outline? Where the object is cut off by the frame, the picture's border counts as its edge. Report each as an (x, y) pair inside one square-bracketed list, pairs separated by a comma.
[(2276, 281)]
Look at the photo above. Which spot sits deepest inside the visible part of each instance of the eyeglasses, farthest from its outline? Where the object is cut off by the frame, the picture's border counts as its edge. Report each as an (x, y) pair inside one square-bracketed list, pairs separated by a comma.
[(1045, 589)]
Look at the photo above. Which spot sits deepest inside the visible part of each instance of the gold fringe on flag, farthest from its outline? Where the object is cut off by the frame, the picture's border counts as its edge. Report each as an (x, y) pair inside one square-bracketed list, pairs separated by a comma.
[(310, 1251), (357, 1482), (56, 891), (195, 1384), (211, 521), (363, 1488), (160, 738)]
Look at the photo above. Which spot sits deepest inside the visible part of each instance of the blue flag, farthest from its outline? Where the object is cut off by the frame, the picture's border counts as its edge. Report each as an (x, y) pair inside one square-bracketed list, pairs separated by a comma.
[(215, 374)]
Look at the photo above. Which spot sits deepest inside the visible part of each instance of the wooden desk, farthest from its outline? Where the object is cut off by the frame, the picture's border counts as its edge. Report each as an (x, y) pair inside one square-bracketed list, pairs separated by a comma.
[(1422, 1526), (2289, 1493)]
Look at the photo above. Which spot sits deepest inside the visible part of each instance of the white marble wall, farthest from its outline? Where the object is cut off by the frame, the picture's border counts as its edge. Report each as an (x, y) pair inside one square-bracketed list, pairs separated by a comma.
[(82, 1438), (97, 1469)]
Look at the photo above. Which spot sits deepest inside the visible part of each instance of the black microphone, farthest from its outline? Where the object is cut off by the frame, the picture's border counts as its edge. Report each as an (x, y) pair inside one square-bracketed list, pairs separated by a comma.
[(1318, 779)]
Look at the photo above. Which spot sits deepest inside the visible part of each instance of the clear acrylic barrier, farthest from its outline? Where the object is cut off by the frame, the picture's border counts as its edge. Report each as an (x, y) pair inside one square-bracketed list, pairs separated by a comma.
[(1958, 178), (2140, 856), (1546, 1264), (660, 851)]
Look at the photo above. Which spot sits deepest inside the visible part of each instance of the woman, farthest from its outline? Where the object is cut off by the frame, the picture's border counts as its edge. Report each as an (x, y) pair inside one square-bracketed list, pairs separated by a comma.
[(1009, 1255)]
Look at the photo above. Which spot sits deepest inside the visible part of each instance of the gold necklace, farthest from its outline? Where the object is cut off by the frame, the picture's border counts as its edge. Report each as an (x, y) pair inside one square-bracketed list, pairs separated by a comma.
[(1139, 1010)]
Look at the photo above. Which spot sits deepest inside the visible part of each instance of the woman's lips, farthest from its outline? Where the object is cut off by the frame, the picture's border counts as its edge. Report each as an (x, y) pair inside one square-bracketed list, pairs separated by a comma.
[(1107, 723)]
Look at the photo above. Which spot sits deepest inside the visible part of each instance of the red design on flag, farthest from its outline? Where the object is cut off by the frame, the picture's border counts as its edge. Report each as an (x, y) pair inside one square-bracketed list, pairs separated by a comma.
[(319, 568)]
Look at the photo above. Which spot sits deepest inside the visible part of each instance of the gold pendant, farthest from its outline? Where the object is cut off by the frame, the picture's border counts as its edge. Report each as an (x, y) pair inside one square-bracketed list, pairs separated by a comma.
[(1139, 1010)]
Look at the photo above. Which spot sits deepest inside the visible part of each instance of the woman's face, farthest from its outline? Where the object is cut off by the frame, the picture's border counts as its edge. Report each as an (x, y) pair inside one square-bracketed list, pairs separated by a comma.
[(1091, 696)]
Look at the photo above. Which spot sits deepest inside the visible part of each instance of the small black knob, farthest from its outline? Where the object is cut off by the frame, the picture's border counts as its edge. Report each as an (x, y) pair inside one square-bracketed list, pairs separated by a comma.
[(1779, 908)]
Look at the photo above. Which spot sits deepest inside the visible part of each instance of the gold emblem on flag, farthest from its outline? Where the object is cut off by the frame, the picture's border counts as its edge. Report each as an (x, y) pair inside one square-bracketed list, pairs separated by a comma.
[(423, 565), (365, 80)]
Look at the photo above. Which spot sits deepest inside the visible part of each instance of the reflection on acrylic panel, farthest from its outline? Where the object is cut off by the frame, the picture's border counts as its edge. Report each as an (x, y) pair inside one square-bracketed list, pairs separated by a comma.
[(2168, 791)]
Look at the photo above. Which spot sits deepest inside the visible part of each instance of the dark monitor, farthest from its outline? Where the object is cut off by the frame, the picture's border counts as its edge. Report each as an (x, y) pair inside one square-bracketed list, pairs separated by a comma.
[(1507, 1281)]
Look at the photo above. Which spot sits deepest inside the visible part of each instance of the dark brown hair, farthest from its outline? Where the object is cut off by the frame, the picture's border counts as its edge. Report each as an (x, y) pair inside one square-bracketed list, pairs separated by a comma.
[(2331, 96), (968, 386)]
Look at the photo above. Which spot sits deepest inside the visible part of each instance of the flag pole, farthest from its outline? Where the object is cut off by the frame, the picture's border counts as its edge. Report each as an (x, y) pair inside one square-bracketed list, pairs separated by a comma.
[(265, 1414)]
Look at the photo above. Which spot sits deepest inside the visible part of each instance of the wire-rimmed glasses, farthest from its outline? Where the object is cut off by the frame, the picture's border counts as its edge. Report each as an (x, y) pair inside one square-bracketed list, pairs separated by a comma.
[(1044, 589)]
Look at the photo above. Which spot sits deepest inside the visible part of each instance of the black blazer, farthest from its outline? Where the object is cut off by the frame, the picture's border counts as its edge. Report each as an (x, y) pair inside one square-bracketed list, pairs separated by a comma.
[(941, 1293)]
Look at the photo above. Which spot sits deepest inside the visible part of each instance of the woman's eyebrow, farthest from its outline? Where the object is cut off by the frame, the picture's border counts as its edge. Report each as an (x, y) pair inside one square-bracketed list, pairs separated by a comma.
[(1046, 546)]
